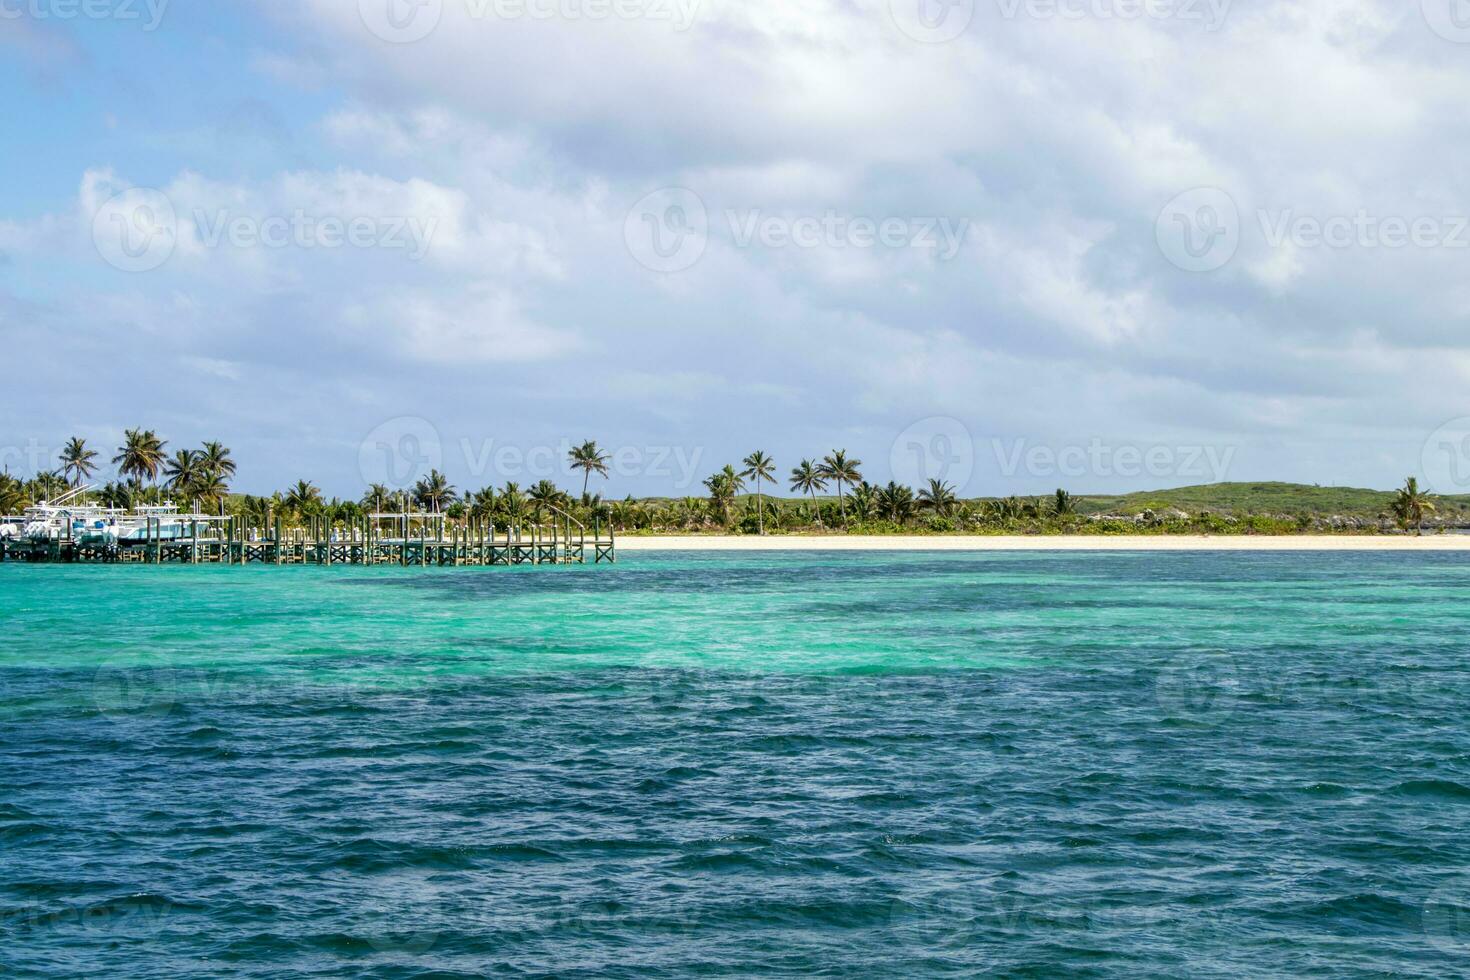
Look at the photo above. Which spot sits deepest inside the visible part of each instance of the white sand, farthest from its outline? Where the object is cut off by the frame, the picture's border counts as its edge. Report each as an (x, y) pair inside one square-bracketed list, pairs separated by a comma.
[(1448, 542)]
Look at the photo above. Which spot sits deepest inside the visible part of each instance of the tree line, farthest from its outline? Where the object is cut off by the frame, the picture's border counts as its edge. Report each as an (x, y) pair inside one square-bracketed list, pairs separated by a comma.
[(200, 478)]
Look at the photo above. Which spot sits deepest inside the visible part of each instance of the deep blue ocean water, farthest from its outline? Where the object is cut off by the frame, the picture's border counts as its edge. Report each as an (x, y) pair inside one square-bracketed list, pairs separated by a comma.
[(1110, 765)]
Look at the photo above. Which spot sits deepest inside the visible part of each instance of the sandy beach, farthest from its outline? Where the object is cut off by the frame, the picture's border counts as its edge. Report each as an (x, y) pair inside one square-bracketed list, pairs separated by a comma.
[(1449, 542)]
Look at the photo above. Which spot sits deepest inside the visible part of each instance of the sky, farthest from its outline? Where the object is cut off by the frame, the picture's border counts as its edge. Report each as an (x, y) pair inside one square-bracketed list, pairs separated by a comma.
[(1016, 245)]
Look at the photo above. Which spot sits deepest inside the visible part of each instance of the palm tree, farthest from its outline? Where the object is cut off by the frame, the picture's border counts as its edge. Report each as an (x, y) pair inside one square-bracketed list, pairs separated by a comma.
[(216, 460), (513, 503), (215, 469), (77, 461), (183, 472), (589, 459), (896, 502), (546, 495), (723, 486), (720, 493), (688, 512), (807, 478), (1412, 504), (376, 496), (1063, 504), (483, 504), (843, 470), (864, 501), (1007, 509), (140, 455), (210, 488), (303, 497), (434, 492), (939, 497), (13, 497), (116, 495), (49, 485), (760, 467), (258, 509)]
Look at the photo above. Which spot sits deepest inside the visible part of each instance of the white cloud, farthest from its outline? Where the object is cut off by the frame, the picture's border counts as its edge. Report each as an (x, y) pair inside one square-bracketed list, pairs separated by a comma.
[(523, 144), (486, 325)]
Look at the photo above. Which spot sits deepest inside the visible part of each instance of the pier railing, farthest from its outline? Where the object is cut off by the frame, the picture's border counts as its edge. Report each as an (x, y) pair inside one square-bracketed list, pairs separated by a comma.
[(403, 539)]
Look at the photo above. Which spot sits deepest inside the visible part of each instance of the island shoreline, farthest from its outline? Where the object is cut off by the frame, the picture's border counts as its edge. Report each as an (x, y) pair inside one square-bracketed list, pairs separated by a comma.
[(1173, 542)]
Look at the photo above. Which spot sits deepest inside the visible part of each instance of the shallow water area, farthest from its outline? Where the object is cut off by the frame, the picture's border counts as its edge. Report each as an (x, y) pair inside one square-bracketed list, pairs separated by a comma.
[(905, 764)]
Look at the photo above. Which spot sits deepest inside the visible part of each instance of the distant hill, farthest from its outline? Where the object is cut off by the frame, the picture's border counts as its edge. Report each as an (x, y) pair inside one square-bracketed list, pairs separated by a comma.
[(1261, 498), (1228, 499)]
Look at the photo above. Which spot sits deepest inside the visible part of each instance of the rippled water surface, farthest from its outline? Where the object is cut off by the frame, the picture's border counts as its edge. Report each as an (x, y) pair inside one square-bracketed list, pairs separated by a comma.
[(1113, 765)]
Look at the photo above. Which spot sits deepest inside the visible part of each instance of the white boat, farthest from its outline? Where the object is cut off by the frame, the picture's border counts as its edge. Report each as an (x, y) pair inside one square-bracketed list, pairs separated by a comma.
[(48, 522), (163, 523), (123, 529), (52, 520), (88, 526)]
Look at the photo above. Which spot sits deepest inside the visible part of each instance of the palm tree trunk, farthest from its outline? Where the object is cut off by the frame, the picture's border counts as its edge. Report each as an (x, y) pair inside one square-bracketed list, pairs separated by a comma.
[(842, 504), (760, 503)]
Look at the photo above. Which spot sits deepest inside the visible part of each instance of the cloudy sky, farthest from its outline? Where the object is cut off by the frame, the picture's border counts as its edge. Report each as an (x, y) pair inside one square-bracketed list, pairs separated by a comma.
[(1017, 244)]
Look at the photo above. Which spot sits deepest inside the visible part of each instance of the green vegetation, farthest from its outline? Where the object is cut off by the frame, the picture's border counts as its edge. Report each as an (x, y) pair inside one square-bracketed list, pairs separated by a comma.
[(1411, 504), (1239, 499), (830, 493)]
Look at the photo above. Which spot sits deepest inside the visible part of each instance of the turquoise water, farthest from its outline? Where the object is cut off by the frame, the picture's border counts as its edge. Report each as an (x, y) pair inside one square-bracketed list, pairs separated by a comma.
[(1112, 765)]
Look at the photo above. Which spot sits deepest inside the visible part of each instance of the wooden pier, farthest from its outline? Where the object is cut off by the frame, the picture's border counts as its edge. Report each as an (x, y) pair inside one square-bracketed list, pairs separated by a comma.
[(405, 540)]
